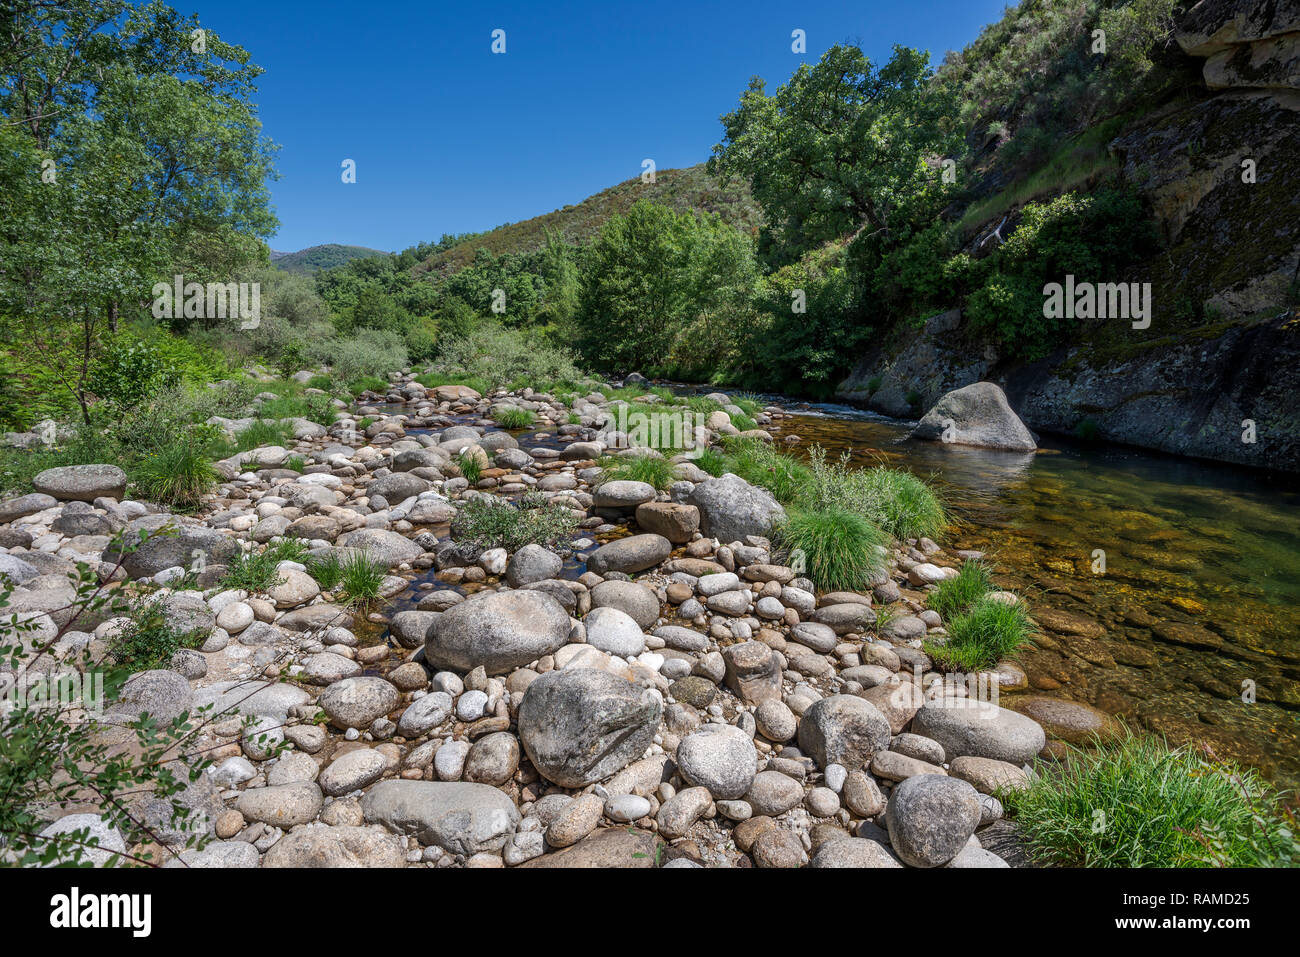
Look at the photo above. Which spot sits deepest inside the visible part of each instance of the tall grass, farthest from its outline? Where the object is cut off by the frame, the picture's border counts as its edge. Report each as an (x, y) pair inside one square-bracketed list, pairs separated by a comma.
[(982, 636), (356, 579), (952, 596), (1158, 807), (651, 469), (515, 418), (758, 463), (897, 501), (471, 467), (179, 474), (838, 550), (710, 460), (258, 571)]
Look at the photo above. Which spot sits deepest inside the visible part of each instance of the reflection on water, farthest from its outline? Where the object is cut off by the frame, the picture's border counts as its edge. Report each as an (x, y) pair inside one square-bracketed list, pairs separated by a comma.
[(1199, 604)]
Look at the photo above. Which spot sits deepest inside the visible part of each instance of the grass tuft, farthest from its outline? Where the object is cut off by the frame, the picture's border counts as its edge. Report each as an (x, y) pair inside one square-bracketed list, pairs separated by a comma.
[(515, 418), (952, 596), (492, 522), (1160, 807), (838, 550), (179, 474), (982, 636), (651, 469)]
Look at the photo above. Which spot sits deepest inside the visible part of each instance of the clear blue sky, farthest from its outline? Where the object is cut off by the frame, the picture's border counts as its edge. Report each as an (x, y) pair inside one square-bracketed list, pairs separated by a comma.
[(448, 137)]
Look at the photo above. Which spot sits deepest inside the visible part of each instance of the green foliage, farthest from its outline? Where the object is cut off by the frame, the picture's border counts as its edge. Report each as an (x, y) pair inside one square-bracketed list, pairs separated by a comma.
[(294, 463), (515, 418), (654, 470), (895, 500), (260, 433), (149, 639), (665, 282), (710, 460), (1093, 237), (258, 571), (1032, 77), (368, 383), (838, 550), (492, 522), (978, 638), (471, 467), (758, 463), (129, 372), (179, 474), (952, 596), (842, 144), (376, 352), (361, 578), (1160, 806), (491, 354)]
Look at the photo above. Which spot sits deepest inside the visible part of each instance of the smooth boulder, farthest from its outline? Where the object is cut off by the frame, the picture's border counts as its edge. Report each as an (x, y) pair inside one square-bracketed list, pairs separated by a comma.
[(978, 415), (499, 630)]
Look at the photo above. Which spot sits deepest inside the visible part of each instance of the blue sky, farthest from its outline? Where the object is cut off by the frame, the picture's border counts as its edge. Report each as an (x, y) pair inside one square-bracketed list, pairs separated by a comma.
[(449, 137)]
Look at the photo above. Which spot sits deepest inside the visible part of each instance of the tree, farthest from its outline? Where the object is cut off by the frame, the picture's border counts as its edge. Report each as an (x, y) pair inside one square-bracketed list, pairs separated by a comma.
[(651, 273), (841, 146)]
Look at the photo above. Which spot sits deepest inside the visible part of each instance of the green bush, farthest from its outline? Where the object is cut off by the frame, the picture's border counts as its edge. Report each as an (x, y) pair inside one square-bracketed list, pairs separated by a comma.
[(178, 475), (495, 355), (375, 352), (492, 522), (710, 460), (130, 371), (1095, 238), (986, 633), (149, 640), (1138, 803), (368, 383), (838, 550), (952, 596)]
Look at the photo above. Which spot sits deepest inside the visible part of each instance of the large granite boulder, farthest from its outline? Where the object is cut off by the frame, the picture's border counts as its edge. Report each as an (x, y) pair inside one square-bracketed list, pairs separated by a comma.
[(976, 415)]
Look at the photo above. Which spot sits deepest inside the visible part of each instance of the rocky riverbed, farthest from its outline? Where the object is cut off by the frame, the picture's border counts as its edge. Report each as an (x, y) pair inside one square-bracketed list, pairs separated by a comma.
[(659, 688)]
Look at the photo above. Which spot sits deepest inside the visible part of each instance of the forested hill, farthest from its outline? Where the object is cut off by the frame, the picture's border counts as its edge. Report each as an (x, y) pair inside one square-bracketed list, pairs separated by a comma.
[(692, 188), (314, 259)]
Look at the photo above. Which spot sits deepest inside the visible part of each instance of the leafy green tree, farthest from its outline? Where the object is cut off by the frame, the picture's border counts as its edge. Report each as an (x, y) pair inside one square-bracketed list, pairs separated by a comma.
[(651, 273), (843, 145)]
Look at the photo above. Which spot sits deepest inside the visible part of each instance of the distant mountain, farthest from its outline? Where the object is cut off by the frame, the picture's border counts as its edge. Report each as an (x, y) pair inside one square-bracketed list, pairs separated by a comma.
[(681, 189), (317, 258)]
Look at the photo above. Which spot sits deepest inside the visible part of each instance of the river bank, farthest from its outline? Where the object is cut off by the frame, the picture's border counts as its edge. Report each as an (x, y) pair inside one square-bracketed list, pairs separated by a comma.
[(527, 682)]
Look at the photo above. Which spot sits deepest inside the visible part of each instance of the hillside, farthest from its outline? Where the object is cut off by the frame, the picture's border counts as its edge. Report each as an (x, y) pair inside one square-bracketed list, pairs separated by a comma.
[(314, 259), (680, 189)]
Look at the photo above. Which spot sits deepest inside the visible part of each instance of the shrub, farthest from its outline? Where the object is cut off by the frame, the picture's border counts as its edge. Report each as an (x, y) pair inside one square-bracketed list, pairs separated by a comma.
[(178, 475), (654, 470), (515, 418), (838, 550), (130, 371), (983, 635), (149, 640), (376, 352), (492, 522), (1158, 805), (368, 383), (952, 596), (493, 354)]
